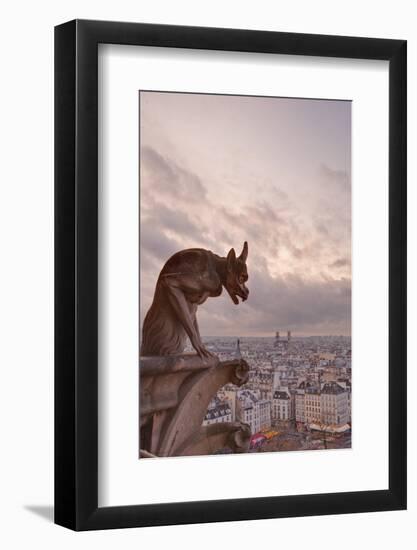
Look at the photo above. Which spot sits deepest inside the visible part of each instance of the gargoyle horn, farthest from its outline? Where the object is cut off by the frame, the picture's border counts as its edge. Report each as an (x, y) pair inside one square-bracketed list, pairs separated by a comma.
[(244, 254)]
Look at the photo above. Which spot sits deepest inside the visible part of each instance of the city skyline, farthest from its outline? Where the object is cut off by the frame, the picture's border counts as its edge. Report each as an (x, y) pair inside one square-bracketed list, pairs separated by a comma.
[(218, 170), (297, 396)]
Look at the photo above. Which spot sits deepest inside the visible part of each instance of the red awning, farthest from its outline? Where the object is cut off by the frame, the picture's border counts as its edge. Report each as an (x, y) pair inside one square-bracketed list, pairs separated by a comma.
[(257, 437)]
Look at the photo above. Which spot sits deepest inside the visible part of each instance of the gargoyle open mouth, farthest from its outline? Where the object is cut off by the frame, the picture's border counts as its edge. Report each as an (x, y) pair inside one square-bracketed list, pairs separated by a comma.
[(236, 294)]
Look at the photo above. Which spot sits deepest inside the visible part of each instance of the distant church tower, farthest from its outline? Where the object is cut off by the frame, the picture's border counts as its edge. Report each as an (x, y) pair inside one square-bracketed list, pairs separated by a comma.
[(238, 354), (276, 343)]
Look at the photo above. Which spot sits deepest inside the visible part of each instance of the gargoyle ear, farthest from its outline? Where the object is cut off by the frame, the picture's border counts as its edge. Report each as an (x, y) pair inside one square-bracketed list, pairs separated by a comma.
[(231, 259), (244, 254)]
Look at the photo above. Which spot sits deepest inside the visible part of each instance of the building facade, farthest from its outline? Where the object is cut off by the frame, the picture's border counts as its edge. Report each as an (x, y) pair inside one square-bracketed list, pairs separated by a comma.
[(328, 404), (281, 406), (312, 405), (334, 404), (253, 410), (299, 399), (218, 411)]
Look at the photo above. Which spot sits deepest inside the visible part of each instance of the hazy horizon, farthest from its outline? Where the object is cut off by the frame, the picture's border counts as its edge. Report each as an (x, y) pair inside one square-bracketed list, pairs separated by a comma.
[(218, 170), (283, 336)]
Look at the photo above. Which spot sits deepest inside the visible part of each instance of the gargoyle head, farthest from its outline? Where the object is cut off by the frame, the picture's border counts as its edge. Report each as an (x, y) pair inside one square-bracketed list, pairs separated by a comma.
[(237, 274)]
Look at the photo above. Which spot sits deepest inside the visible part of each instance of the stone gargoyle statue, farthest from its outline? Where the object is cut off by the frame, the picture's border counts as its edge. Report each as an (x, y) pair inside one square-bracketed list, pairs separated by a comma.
[(187, 279)]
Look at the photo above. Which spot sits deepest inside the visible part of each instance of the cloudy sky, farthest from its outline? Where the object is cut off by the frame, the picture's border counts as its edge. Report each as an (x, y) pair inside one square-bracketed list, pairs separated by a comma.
[(218, 170)]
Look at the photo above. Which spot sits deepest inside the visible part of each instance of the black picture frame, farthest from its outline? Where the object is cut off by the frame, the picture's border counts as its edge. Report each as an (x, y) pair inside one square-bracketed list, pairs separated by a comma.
[(76, 272)]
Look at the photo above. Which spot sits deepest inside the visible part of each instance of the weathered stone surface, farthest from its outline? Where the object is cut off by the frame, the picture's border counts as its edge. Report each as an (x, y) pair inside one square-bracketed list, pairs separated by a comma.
[(176, 388), (162, 377), (155, 365), (186, 281), (232, 435), (174, 394)]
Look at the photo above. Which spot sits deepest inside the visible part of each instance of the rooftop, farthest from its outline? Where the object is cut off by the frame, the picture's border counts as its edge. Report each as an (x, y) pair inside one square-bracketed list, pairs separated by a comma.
[(281, 395)]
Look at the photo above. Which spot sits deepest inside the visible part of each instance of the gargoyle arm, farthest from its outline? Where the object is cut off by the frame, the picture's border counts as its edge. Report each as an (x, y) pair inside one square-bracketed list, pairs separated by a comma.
[(175, 294)]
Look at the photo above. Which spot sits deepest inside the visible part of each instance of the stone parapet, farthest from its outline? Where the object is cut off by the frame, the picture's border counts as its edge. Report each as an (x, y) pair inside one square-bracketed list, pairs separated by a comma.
[(175, 392)]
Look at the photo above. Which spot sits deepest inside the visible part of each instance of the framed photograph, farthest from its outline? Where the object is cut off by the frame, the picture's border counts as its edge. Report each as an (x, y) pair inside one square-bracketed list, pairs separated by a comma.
[(230, 254)]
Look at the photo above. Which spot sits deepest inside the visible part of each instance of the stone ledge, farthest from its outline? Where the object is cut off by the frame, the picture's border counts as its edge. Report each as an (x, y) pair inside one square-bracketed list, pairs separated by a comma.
[(174, 394), (154, 365)]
